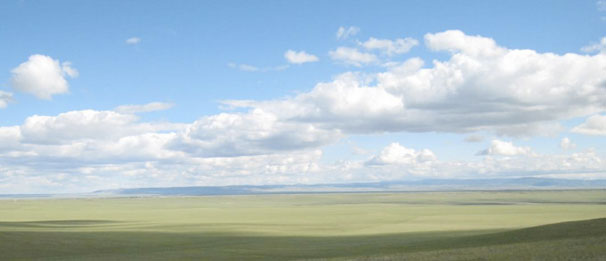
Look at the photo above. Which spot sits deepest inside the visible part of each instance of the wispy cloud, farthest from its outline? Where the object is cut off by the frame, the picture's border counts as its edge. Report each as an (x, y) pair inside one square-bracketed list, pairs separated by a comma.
[(5, 98), (389, 47), (346, 32), (352, 56), (596, 47), (299, 57), (567, 144), (149, 107), (133, 40)]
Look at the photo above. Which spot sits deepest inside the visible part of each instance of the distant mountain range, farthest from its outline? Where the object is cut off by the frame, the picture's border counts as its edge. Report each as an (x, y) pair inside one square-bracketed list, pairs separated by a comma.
[(386, 186)]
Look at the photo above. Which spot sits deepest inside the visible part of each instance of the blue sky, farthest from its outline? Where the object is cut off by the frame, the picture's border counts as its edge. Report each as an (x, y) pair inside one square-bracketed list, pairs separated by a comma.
[(516, 91)]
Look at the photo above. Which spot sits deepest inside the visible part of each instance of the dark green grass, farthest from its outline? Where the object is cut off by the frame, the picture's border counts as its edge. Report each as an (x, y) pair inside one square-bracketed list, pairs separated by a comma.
[(582, 239), (576, 240)]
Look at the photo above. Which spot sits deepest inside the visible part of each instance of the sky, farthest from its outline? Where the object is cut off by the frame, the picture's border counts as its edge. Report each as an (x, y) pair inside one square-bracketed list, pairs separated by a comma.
[(119, 94)]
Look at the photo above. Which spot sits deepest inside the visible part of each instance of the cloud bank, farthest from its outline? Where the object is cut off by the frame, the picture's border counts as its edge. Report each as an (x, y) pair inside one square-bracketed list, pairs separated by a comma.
[(479, 87)]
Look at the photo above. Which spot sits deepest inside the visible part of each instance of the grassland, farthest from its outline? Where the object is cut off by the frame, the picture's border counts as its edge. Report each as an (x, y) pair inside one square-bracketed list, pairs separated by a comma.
[(546, 225)]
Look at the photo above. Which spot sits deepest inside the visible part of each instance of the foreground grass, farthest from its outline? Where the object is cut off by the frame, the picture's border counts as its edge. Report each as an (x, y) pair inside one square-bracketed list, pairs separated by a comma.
[(395, 226), (575, 240)]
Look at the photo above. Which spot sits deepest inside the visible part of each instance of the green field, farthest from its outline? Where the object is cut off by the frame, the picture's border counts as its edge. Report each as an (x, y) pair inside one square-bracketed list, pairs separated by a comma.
[(544, 225)]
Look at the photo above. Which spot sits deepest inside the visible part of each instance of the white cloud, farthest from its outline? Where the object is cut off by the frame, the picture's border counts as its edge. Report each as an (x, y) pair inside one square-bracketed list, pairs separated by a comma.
[(346, 32), (70, 175), (68, 70), (80, 151), (587, 162), (596, 47), (74, 126), (504, 148), (352, 56), (485, 86), (566, 144), (397, 154), (108, 146), (389, 47), (594, 125), (153, 106), (345, 104), (5, 98), (456, 41), (397, 162), (42, 76), (481, 87), (10, 138), (601, 5), (299, 57), (253, 133), (133, 40)]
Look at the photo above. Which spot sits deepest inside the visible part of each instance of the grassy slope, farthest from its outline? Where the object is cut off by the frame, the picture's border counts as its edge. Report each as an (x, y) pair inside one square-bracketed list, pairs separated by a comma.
[(384, 226), (575, 240)]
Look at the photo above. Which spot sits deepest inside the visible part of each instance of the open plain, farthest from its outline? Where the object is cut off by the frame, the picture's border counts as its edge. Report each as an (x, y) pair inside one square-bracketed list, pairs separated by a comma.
[(491, 225)]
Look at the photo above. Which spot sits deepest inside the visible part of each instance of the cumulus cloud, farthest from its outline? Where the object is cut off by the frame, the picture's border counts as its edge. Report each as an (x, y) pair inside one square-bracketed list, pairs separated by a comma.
[(504, 148), (83, 125), (396, 161), (596, 47), (42, 76), (80, 151), (105, 146), (69, 175), (397, 154), (5, 98), (479, 87), (389, 47), (253, 133), (566, 144), (153, 106), (133, 40), (456, 41), (352, 56), (485, 86), (299, 57), (346, 32), (594, 125), (345, 103)]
